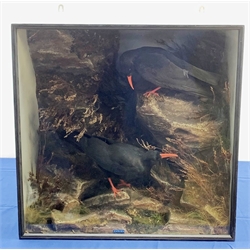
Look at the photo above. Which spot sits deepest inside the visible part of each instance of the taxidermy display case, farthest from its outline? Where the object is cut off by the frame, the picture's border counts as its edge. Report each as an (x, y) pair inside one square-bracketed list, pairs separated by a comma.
[(127, 132)]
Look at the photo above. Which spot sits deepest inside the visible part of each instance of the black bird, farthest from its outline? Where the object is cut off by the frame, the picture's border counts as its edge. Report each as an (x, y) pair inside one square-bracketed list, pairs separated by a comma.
[(129, 163), (151, 67)]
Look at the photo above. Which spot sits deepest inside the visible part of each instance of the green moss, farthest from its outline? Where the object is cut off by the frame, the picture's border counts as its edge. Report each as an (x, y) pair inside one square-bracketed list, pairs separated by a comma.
[(195, 215), (148, 217), (34, 216), (83, 210)]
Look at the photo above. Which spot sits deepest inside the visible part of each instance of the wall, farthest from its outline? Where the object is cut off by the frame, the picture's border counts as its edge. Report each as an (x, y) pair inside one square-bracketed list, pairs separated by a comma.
[(119, 13)]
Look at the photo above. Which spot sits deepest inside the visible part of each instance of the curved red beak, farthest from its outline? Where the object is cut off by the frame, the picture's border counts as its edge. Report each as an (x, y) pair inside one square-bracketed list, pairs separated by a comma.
[(130, 82), (164, 155)]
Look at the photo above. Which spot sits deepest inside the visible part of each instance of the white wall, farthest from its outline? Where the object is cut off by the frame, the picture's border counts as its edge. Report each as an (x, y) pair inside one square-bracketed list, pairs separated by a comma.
[(29, 121), (169, 13)]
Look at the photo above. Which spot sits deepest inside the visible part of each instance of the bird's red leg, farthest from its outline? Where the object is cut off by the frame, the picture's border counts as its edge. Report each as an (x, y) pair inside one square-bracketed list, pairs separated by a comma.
[(114, 189), (152, 92), (123, 183)]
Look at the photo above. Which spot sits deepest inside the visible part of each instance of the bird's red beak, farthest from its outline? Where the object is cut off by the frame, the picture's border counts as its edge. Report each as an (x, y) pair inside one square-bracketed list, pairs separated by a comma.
[(164, 155), (130, 82)]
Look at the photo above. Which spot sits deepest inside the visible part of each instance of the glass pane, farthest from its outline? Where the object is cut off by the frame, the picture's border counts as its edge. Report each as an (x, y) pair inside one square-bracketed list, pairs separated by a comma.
[(127, 131)]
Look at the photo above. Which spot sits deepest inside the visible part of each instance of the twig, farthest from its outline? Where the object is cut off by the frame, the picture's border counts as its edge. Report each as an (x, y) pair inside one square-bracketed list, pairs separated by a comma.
[(145, 145), (212, 90)]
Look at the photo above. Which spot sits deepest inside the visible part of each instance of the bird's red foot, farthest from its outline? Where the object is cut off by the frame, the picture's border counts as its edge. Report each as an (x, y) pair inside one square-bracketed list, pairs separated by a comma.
[(114, 189), (152, 92), (124, 184)]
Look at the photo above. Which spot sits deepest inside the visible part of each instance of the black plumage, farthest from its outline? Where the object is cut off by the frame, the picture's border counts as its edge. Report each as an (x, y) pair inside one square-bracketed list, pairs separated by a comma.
[(127, 162), (152, 67)]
